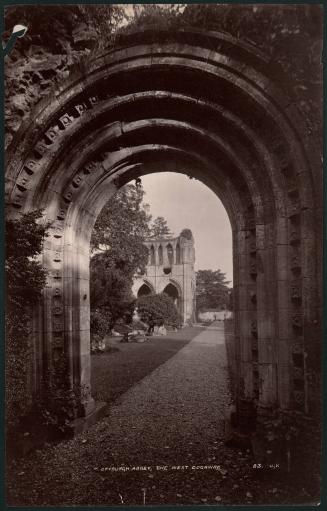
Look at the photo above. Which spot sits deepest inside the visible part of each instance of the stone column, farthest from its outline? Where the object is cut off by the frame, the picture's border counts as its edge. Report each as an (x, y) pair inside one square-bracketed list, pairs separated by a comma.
[(285, 252), (244, 314), (80, 302), (266, 313)]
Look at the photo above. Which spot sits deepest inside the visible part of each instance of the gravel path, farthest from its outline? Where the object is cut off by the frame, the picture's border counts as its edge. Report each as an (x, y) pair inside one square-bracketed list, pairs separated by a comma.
[(114, 372), (184, 399), (160, 444)]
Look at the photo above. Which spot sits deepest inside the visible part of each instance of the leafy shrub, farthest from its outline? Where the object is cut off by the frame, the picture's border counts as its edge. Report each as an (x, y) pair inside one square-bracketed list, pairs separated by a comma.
[(18, 352), (101, 322), (158, 310), (58, 402), (25, 279), (118, 252), (49, 417)]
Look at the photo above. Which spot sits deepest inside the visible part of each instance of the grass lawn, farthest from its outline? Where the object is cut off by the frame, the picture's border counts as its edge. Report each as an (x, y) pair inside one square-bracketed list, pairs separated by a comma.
[(124, 364)]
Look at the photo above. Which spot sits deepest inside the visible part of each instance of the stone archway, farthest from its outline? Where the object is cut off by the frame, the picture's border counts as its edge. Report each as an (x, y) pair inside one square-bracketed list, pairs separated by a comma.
[(206, 105), (172, 290), (145, 289)]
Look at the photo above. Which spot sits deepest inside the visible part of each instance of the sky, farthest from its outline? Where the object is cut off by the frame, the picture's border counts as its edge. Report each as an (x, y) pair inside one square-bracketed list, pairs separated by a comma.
[(188, 203)]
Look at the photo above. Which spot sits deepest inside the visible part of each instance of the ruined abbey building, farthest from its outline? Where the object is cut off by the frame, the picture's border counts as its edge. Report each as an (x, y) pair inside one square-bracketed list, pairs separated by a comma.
[(218, 109), (170, 270)]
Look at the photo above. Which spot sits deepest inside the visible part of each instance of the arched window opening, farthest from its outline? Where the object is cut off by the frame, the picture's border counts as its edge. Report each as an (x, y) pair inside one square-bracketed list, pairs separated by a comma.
[(160, 254), (152, 256), (170, 254), (178, 254), (172, 291), (144, 290)]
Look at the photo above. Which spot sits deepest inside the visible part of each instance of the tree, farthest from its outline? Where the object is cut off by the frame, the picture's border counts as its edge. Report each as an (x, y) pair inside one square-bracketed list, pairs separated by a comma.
[(158, 310), (212, 291), (118, 249), (118, 253), (160, 229), (122, 227), (111, 294)]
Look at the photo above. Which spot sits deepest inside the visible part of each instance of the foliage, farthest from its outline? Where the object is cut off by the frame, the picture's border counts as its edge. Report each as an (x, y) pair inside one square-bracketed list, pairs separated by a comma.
[(50, 415), (155, 15), (101, 323), (187, 234), (25, 279), (212, 290), (58, 402), (16, 371), (158, 310), (55, 25), (110, 293), (160, 229), (118, 253), (121, 228)]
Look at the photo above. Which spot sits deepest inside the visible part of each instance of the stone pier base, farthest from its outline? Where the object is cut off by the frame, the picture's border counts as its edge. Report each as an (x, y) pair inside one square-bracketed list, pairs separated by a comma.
[(81, 424)]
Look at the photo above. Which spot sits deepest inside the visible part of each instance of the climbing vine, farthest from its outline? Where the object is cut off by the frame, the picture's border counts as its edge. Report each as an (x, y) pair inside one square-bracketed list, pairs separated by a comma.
[(25, 279)]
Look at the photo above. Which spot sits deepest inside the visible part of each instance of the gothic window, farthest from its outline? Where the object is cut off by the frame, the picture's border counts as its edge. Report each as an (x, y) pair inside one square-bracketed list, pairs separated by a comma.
[(144, 290), (152, 256), (160, 254), (170, 254), (178, 254), (172, 291)]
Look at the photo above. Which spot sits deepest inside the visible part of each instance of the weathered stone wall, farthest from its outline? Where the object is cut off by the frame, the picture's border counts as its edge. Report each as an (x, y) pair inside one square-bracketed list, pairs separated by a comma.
[(212, 315), (58, 39), (32, 70), (65, 35), (178, 271)]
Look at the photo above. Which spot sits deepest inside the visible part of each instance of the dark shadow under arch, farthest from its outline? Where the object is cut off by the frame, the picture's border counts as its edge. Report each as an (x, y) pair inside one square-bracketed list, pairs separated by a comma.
[(144, 290)]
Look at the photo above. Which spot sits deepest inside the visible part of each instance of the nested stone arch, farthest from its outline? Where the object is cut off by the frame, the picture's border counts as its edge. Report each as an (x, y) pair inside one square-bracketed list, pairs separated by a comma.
[(173, 290), (171, 286), (115, 120), (173, 283)]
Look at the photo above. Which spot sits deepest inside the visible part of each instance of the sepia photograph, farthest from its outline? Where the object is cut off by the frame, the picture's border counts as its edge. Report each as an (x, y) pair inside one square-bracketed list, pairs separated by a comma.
[(163, 254)]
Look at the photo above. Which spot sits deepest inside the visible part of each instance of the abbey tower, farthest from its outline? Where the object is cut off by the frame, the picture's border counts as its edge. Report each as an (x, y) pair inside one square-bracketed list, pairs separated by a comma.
[(170, 269)]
